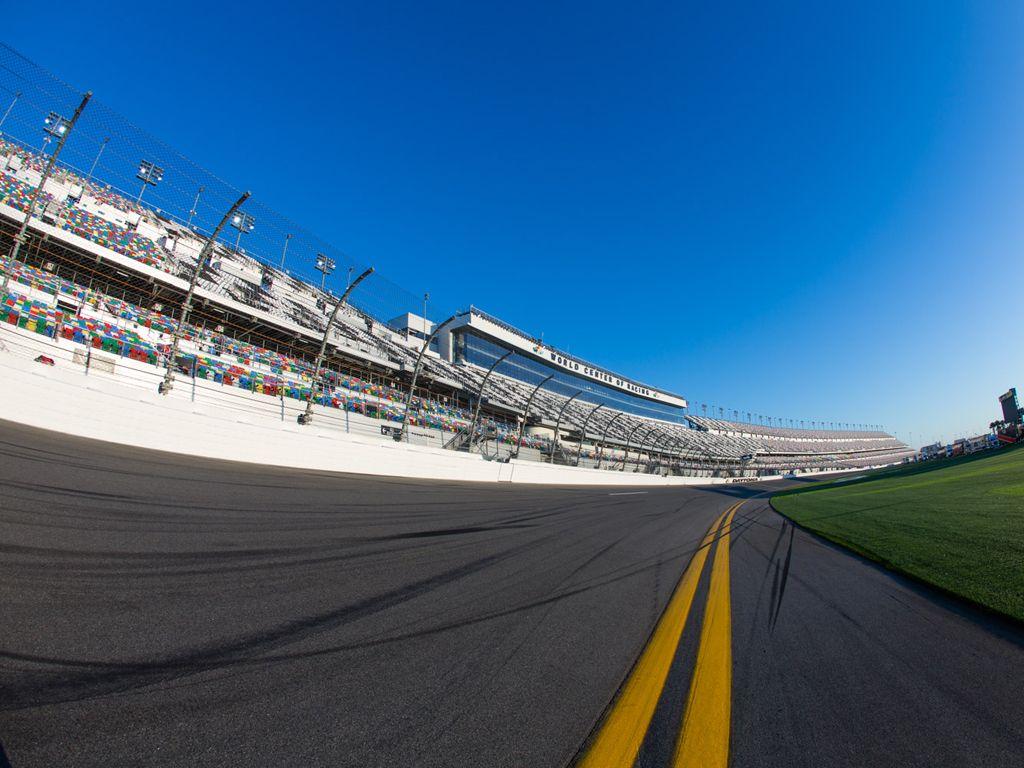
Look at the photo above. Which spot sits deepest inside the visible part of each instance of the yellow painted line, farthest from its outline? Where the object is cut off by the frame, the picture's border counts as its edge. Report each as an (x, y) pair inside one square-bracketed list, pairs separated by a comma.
[(620, 736), (704, 740)]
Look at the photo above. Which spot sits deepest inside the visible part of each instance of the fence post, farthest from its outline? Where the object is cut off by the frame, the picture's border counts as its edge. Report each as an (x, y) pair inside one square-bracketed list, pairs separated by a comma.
[(604, 436), (558, 424), (479, 397), (526, 415), (583, 433), (88, 359), (307, 416)]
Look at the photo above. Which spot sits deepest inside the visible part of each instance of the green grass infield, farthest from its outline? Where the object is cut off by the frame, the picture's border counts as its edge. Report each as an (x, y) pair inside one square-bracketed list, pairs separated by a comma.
[(955, 523)]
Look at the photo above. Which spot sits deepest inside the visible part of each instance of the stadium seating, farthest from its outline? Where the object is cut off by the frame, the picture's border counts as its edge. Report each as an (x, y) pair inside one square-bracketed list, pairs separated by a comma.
[(105, 218)]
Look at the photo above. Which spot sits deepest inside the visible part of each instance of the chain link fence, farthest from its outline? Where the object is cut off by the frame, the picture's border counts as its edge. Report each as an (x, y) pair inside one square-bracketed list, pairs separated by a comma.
[(151, 180)]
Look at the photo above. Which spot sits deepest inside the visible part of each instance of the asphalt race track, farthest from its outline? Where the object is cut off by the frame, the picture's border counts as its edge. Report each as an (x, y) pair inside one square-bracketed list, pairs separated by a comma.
[(163, 610)]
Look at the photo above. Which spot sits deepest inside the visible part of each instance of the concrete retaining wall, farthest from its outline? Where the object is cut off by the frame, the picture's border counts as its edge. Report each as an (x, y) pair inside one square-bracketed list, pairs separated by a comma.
[(123, 406)]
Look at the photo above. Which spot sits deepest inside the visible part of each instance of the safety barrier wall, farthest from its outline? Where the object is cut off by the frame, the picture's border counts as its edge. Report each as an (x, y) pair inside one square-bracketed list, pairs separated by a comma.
[(122, 406)]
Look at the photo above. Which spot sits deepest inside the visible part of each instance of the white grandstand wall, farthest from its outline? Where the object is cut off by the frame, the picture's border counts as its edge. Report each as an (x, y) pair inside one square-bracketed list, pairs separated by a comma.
[(122, 406)]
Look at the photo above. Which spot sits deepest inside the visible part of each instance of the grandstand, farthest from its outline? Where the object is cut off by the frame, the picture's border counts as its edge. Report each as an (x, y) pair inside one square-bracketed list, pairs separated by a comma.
[(108, 274)]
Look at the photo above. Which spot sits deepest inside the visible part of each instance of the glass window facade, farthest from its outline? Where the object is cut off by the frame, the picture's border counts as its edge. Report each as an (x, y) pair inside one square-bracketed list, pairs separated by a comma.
[(471, 348)]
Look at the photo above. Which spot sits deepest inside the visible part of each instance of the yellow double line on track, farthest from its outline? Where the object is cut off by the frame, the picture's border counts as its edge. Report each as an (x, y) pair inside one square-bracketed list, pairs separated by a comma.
[(704, 738)]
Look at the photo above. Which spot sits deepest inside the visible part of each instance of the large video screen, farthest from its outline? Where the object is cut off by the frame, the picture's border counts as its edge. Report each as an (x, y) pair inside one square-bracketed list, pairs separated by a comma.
[(1011, 410)]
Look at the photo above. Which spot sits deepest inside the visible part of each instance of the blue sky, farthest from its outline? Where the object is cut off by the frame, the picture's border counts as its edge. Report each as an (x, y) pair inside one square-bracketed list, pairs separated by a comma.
[(794, 209)]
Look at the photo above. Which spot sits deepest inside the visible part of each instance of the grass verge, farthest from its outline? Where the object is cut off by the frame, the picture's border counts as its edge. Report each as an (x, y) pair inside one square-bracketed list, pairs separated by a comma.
[(957, 523)]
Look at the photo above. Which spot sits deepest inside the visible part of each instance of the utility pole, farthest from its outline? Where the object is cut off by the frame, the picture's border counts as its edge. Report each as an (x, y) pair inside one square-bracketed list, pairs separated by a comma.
[(20, 238)]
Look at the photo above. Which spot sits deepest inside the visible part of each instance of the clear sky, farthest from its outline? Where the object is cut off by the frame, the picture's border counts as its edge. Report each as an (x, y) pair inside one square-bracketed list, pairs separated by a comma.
[(794, 209)]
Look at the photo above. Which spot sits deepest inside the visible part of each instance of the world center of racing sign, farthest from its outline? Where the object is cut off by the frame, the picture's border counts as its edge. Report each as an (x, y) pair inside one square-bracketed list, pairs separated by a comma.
[(512, 337)]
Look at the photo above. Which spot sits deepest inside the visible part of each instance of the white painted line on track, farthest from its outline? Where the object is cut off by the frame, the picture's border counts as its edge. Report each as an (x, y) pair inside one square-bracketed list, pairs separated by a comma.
[(626, 493)]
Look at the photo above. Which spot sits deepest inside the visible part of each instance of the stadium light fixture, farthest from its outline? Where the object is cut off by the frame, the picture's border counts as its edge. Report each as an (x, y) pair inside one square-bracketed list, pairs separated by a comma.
[(21, 236), (186, 306), (324, 265), (307, 416), (149, 174), (244, 223), (55, 126)]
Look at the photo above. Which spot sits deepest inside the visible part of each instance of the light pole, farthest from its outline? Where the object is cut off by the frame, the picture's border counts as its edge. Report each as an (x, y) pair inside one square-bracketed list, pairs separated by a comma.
[(95, 162), (168, 383), (324, 265), (149, 174), (404, 431), (307, 416), (9, 108), (244, 223), (19, 239), (195, 204), (426, 298), (284, 252)]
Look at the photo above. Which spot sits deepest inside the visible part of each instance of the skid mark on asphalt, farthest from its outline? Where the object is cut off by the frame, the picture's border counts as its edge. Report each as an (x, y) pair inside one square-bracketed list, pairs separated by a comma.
[(95, 679)]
